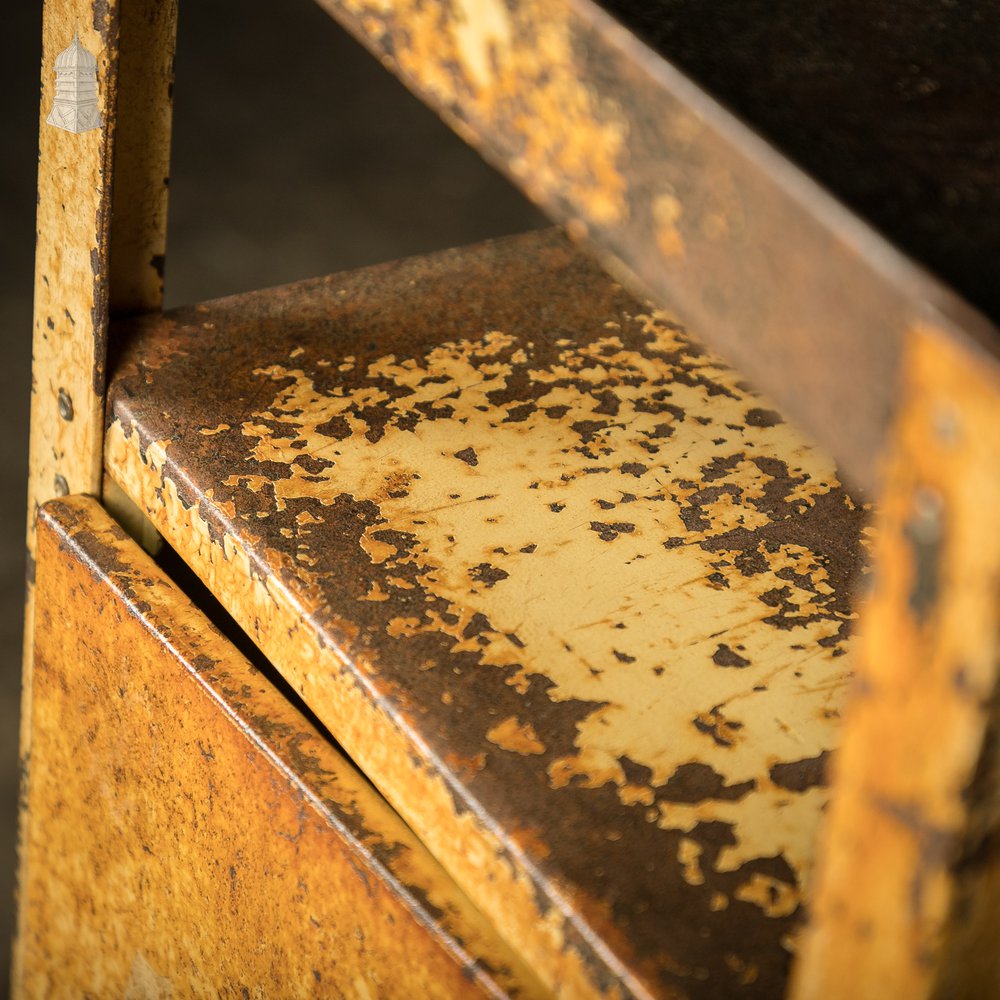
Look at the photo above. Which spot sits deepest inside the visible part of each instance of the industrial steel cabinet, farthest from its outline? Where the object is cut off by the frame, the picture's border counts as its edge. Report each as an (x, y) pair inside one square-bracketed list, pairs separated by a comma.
[(505, 640)]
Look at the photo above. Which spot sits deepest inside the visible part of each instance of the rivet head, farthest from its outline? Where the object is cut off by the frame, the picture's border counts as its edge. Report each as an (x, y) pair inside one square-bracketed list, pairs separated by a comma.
[(65, 405)]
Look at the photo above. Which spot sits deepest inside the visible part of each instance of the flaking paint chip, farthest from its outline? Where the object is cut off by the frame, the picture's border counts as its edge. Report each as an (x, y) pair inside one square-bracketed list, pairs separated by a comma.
[(516, 736)]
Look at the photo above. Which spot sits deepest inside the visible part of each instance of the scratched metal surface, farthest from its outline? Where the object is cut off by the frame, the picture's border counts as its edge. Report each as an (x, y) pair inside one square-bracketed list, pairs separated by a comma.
[(571, 595), (188, 832)]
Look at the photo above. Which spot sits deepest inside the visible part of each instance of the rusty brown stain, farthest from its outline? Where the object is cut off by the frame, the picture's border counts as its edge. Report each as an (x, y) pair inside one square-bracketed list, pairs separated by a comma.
[(215, 842), (417, 601), (907, 891)]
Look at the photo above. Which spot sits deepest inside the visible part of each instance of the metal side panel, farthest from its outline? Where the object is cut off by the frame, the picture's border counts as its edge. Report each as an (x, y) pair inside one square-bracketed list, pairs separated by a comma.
[(188, 833)]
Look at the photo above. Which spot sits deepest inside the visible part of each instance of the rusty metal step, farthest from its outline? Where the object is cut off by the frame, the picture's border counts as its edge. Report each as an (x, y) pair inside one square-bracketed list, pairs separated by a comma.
[(569, 593)]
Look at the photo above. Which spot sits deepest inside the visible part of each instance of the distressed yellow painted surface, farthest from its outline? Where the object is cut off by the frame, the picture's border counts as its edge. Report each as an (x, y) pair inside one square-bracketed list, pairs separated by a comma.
[(658, 609), (277, 621), (73, 215), (74, 288), (214, 842), (70, 295), (77, 283), (569, 543)]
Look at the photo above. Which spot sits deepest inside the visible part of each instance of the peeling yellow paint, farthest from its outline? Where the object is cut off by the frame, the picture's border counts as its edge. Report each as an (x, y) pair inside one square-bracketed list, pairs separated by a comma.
[(516, 736), (483, 36), (593, 524), (376, 593), (775, 898), (664, 615), (688, 854)]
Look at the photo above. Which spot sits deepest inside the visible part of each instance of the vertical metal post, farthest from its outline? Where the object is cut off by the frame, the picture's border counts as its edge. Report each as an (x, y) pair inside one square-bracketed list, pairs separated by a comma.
[(102, 179)]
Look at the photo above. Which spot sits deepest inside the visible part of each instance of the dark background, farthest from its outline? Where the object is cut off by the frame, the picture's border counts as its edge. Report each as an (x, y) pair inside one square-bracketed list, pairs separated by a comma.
[(294, 154)]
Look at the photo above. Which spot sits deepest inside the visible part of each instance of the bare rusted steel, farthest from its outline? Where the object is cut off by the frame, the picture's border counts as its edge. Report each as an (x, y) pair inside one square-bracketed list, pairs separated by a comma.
[(190, 833), (572, 596), (683, 200)]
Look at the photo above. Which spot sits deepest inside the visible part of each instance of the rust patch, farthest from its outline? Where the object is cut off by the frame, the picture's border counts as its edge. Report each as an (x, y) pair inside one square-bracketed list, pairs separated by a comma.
[(801, 775), (726, 657)]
